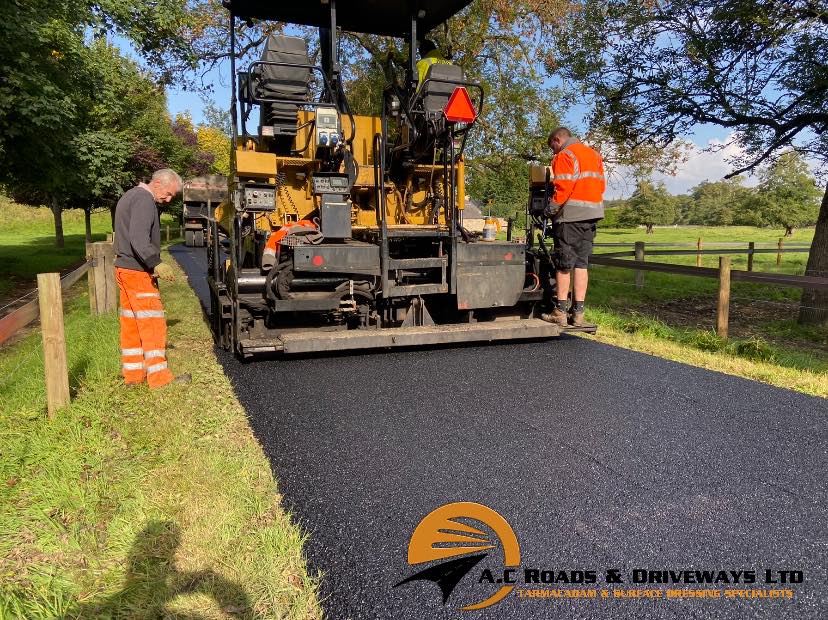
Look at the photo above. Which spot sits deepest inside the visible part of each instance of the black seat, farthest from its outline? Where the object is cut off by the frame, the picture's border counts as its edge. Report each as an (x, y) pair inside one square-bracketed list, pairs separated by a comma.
[(436, 94), (279, 82)]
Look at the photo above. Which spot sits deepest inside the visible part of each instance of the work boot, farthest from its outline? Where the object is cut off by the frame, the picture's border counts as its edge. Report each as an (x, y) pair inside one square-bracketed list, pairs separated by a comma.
[(557, 316), (576, 319)]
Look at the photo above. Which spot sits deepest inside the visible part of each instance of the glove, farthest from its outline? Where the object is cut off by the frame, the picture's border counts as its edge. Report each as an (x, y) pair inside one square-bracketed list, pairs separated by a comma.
[(551, 210), (163, 271)]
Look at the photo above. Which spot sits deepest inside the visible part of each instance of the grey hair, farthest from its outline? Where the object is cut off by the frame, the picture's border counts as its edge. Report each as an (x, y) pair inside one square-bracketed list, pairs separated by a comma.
[(168, 176)]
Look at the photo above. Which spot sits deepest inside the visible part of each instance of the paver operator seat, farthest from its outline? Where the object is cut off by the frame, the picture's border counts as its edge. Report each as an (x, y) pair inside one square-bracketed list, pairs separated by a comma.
[(284, 83)]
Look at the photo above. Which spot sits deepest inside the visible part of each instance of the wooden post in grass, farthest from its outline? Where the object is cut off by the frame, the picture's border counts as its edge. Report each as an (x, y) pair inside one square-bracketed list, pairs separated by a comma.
[(54, 342), (90, 279), (779, 253), (751, 248), (639, 257), (723, 308), (168, 233), (103, 290), (698, 252)]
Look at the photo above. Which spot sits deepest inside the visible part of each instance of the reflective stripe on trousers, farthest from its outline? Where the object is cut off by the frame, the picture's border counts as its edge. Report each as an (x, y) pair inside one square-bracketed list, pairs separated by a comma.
[(143, 329)]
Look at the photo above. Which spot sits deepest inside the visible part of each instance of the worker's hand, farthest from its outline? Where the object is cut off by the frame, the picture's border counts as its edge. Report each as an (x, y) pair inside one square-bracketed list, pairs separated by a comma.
[(163, 271), (551, 209)]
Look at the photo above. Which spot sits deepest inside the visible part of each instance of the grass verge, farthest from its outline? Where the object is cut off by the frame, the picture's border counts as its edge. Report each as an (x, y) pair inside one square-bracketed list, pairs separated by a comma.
[(139, 504), (751, 358)]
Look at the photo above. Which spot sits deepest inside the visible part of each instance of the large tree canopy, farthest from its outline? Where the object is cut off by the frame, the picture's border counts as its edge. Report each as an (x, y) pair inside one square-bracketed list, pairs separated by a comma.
[(757, 68)]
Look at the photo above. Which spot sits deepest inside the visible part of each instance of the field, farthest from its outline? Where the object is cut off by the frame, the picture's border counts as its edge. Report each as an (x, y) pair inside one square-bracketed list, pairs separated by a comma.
[(27, 243), (766, 342)]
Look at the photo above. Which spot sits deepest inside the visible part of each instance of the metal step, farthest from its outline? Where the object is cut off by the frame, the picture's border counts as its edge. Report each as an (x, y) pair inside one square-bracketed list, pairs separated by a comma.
[(314, 341), (418, 263), (586, 328), (416, 289)]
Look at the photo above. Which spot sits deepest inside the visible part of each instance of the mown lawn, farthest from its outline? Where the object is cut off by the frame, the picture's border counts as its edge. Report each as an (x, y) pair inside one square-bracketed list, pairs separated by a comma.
[(27, 242), (674, 315), (139, 504)]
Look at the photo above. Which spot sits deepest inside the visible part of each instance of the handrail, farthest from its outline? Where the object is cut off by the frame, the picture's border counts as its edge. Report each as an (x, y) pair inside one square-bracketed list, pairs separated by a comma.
[(314, 104)]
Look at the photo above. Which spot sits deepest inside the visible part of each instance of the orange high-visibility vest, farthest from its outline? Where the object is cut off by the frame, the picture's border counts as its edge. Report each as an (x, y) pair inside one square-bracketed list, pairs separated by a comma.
[(579, 181), (272, 245)]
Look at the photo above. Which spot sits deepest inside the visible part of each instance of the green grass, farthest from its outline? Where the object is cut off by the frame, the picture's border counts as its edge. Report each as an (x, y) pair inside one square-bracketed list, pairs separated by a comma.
[(709, 234), (139, 504), (674, 315), (27, 242)]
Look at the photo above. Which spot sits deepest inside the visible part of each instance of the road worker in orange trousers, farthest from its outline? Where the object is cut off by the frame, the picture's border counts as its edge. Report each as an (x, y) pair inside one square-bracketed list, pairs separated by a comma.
[(138, 267), (576, 205)]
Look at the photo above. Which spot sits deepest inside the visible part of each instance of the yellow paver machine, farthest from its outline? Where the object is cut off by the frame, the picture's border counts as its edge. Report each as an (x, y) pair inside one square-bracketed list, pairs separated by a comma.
[(346, 231)]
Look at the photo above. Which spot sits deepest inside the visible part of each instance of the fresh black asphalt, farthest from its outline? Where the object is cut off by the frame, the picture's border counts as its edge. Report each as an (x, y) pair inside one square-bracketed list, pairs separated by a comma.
[(599, 458)]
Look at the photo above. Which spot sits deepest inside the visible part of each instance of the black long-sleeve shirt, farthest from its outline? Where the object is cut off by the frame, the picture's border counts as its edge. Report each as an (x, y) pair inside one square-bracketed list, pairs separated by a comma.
[(137, 231)]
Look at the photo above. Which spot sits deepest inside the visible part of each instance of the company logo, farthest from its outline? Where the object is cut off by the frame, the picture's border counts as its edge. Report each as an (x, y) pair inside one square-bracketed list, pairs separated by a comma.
[(454, 531)]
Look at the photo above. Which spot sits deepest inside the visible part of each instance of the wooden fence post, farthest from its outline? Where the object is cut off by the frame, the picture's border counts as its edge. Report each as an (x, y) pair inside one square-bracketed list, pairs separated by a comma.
[(639, 257), (102, 285), (54, 342), (168, 233), (90, 279), (779, 253), (751, 248), (723, 309), (698, 252)]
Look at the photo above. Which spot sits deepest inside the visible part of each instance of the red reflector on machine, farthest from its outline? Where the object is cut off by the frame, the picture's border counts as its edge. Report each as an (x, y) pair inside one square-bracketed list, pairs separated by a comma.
[(459, 108), (508, 256), (317, 260)]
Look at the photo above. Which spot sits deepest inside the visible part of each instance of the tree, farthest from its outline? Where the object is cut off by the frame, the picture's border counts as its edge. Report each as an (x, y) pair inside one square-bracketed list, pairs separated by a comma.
[(788, 195), (648, 206), (720, 203), (217, 144), (54, 82), (756, 68)]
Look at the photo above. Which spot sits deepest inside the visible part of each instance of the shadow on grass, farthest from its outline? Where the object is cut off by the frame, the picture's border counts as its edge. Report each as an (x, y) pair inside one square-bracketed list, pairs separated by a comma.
[(152, 581), (77, 373)]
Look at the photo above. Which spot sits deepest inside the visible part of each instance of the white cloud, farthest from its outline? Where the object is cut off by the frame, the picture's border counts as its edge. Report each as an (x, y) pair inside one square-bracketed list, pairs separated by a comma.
[(704, 163)]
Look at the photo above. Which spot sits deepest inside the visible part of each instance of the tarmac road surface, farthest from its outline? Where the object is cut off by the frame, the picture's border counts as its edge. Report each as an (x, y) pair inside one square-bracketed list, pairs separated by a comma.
[(599, 458)]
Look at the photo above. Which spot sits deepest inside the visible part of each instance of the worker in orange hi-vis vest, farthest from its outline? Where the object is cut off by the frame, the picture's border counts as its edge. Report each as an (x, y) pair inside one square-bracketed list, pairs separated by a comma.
[(138, 267), (576, 205)]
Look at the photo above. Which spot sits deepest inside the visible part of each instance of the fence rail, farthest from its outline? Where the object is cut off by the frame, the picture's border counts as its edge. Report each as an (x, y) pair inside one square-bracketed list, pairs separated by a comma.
[(724, 244), (811, 282), (28, 312), (724, 273)]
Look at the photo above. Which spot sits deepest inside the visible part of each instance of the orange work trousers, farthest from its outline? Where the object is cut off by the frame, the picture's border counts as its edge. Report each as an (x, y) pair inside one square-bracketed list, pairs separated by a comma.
[(143, 330)]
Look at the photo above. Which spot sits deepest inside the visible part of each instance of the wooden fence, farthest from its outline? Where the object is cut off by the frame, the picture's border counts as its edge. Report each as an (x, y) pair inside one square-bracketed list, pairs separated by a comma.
[(99, 268), (724, 273)]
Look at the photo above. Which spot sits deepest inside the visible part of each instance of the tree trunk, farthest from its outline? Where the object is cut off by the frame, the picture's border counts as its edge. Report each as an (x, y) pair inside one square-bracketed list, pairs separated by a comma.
[(649, 229), (788, 231), (87, 220), (112, 215), (813, 309), (57, 211)]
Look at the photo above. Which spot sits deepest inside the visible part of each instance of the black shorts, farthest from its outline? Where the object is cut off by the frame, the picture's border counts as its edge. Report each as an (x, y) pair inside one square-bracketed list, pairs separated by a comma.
[(573, 244)]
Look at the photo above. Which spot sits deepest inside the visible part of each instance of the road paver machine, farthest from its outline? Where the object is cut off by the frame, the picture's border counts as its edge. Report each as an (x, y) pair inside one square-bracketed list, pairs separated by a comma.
[(346, 231)]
